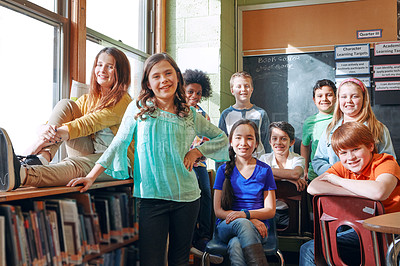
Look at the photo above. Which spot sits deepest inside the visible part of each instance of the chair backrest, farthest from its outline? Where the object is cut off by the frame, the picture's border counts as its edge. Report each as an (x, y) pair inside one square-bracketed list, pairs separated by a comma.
[(330, 212), (299, 219)]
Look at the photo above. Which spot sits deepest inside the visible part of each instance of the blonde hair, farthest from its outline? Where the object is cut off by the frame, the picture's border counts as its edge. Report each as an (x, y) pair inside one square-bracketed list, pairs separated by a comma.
[(240, 74), (366, 114)]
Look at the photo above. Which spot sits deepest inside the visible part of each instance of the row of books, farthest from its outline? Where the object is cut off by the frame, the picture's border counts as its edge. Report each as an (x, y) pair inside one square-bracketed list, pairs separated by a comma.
[(62, 230)]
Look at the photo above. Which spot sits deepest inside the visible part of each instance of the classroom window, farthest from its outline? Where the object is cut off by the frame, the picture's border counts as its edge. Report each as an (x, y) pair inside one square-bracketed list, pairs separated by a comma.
[(30, 52), (120, 20), (124, 25)]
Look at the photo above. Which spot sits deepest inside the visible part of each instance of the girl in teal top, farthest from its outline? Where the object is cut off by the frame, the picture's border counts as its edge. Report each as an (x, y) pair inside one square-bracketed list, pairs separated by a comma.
[(163, 128)]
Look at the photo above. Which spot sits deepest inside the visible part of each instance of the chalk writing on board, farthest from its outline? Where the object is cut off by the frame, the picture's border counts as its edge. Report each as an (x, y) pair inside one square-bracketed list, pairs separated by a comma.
[(276, 63)]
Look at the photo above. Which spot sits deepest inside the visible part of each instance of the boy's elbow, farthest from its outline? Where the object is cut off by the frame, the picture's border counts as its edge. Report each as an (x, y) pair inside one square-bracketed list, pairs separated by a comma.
[(311, 190), (380, 196)]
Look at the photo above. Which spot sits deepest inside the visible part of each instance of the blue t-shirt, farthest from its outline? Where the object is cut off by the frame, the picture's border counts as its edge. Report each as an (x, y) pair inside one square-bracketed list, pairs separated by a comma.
[(249, 193)]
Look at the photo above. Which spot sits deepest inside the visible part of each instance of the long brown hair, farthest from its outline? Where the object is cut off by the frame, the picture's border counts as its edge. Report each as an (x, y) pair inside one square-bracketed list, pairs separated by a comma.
[(122, 77), (366, 114), (147, 95), (227, 195)]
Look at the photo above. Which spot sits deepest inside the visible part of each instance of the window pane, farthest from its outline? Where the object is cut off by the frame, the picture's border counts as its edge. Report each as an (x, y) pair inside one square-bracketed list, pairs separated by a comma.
[(26, 71), (48, 4), (119, 19), (136, 62)]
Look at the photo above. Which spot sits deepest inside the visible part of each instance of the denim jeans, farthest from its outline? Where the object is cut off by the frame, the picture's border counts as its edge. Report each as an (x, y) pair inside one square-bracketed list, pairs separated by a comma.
[(157, 220), (204, 217), (348, 244), (238, 234)]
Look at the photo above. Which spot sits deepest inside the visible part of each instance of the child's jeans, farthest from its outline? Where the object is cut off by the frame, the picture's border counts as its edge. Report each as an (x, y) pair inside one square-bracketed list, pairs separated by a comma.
[(238, 234), (349, 249)]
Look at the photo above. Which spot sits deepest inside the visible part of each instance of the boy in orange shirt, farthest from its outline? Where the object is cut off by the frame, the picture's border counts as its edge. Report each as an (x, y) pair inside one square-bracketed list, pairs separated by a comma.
[(360, 172)]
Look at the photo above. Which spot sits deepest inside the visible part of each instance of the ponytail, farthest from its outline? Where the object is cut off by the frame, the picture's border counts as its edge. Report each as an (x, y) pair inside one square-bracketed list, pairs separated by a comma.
[(227, 196)]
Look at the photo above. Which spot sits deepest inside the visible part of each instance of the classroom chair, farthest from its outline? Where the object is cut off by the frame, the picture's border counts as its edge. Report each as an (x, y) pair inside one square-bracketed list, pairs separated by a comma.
[(215, 247), (331, 212), (299, 220)]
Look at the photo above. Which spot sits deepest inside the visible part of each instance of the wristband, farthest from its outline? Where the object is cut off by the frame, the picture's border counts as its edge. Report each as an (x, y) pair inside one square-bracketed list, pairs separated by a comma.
[(247, 213)]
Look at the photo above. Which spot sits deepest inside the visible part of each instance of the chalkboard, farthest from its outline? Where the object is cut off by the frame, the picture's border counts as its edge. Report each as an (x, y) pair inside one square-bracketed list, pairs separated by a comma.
[(283, 87), (283, 84)]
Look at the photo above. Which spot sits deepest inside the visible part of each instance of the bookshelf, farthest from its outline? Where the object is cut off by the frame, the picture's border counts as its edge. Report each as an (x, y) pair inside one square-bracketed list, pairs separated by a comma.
[(33, 192), (26, 195)]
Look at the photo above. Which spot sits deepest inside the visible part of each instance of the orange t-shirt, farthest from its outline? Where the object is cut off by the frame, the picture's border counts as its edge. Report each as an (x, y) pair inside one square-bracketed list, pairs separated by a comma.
[(380, 164)]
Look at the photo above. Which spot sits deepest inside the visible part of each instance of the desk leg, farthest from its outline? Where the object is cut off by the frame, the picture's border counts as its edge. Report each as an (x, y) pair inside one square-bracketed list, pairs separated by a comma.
[(393, 251)]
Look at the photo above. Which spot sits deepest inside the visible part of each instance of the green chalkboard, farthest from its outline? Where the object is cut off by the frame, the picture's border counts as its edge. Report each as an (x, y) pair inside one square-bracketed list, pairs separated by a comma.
[(283, 83)]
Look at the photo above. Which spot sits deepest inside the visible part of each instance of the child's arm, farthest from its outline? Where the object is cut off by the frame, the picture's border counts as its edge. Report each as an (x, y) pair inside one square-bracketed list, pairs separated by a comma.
[(88, 180), (219, 212), (217, 147), (378, 189), (222, 123), (269, 207), (291, 175), (321, 187), (264, 131), (320, 162), (305, 153)]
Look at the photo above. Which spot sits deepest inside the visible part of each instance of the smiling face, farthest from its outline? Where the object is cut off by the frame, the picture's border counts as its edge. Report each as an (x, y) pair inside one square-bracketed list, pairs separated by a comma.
[(325, 99), (244, 141), (280, 142), (242, 89), (356, 159), (193, 94), (163, 81), (350, 101), (105, 71)]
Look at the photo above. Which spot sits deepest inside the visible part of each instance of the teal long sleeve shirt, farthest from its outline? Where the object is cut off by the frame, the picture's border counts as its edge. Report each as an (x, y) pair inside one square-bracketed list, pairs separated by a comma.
[(161, 143)]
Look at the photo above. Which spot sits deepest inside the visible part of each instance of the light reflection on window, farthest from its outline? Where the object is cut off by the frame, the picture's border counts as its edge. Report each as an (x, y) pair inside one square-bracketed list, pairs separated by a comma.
[(26, 72)]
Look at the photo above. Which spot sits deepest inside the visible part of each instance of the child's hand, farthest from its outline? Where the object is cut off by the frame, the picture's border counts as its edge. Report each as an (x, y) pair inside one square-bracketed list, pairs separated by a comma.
[(191, 157), (262, 229), (300, 183), (86, 181), (233, 215), (331, 178)]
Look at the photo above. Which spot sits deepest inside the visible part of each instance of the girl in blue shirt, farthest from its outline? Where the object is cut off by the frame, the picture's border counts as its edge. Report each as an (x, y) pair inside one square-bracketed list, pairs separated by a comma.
[(163, 127), (244, 198)]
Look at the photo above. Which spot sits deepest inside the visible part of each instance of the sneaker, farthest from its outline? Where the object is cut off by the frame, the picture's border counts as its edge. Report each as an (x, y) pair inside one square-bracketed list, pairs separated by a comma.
[(29, 160), (10, 165)]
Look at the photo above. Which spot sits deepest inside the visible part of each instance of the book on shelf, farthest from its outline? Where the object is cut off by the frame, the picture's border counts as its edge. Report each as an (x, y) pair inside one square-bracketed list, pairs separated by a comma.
[(90, 223), (69, 211), (12, 249), (55, 205), (101, 206), (53, 221), (114, 215), (22, 236), (62, 229)]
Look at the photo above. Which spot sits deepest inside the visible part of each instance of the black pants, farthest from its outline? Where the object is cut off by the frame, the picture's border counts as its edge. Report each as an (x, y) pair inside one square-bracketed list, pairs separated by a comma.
[(157, 219)]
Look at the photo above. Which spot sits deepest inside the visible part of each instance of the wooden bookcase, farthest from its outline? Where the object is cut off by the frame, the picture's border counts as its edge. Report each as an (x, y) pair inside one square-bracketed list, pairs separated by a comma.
[(28, 193)]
